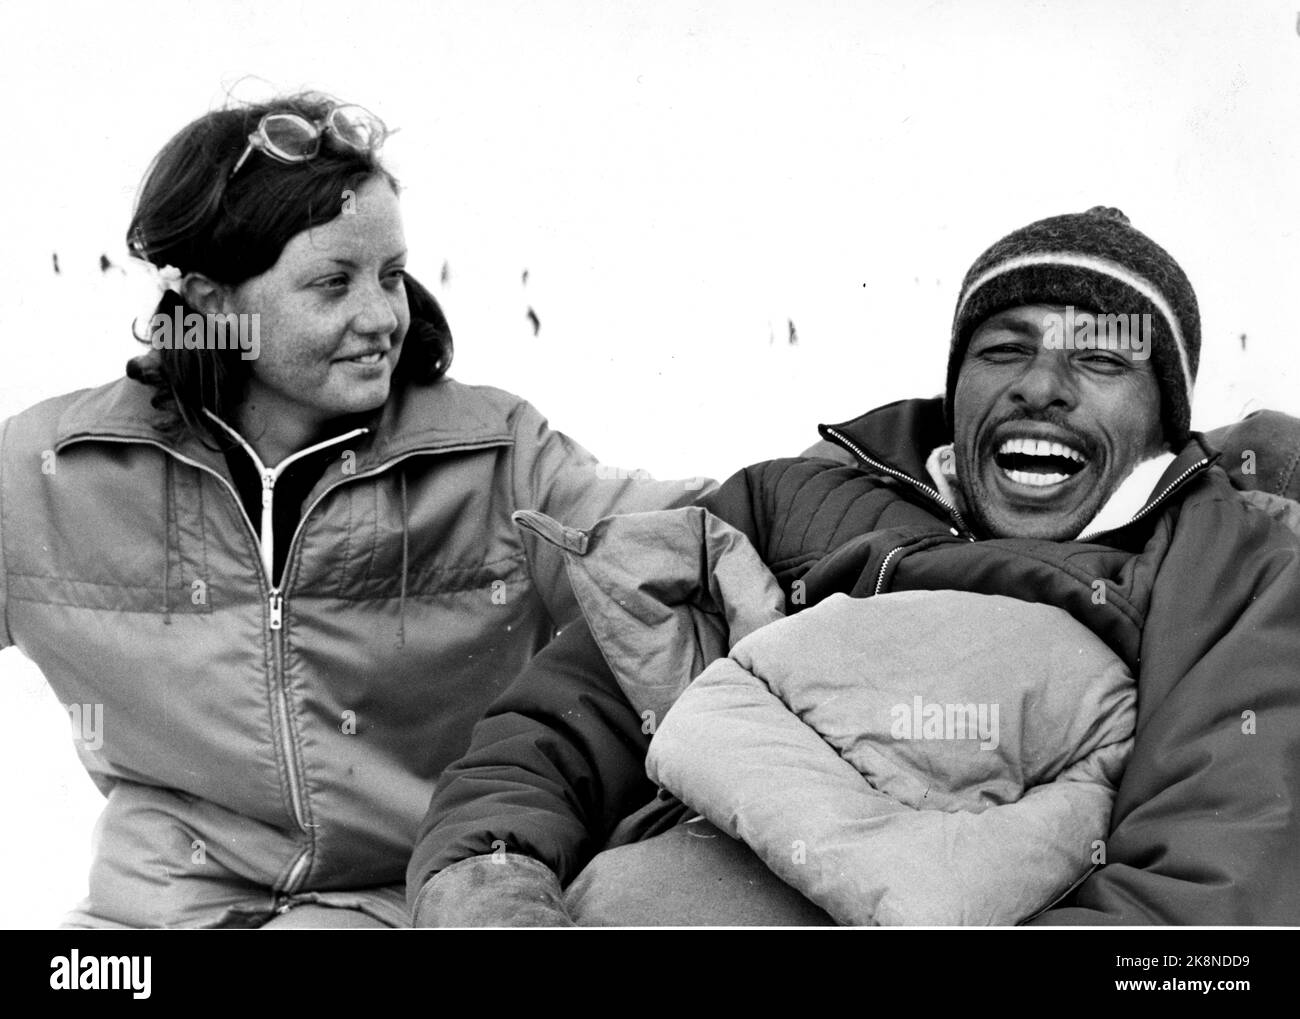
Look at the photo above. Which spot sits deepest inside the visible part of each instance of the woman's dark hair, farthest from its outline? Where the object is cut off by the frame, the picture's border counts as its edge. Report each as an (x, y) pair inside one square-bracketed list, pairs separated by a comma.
[(192, 215)]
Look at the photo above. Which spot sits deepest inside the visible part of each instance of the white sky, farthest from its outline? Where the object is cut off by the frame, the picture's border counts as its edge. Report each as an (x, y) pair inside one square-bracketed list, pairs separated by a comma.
[(679, 178)]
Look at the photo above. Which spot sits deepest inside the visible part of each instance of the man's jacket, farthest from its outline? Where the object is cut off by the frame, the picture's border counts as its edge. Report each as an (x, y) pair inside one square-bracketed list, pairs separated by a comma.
[(896, 759), (1198, 594), (261, 744)]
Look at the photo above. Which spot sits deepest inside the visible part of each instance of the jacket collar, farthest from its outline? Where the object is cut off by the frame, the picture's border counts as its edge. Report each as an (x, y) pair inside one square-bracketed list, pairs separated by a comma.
[(901, 435), (443, 416)]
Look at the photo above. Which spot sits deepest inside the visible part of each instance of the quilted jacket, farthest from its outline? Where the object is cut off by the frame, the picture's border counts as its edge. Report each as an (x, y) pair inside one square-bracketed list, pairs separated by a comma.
[(256, 744), (1198, 594)]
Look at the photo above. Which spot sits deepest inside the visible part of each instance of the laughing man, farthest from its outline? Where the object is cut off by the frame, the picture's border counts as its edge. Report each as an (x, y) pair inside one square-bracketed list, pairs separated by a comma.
[(1048, 472)]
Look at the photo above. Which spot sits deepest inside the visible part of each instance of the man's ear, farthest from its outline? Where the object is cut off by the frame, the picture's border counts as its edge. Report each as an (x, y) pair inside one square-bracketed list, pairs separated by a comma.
[(205, 295)]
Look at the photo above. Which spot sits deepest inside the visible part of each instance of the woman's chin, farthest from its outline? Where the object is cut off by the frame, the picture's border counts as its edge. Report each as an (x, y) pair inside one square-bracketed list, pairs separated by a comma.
[(360, 399)]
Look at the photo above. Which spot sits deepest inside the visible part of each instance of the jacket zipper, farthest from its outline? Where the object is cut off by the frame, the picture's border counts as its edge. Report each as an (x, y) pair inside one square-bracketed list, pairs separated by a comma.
[(275, 623), (1086, 536), (275, 599), (884, 565), (931, 493)]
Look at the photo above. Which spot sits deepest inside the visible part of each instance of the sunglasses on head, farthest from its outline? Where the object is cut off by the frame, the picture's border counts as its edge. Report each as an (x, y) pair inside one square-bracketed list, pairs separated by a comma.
[(292, 138)]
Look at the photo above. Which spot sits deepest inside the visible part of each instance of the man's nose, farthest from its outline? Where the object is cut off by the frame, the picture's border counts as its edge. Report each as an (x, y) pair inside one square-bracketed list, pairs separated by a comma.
[(1047, 381)]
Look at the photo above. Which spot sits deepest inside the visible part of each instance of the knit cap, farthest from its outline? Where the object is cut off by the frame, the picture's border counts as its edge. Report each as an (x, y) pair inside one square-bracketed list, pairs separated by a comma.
[(1095, 262)]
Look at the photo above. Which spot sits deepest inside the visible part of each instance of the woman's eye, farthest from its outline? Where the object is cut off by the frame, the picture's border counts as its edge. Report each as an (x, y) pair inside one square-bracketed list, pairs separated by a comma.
[(332, 282), (393, 278)]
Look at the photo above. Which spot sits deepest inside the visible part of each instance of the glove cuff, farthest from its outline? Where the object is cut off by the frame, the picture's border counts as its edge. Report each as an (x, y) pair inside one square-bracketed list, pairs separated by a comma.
[(494, 890)]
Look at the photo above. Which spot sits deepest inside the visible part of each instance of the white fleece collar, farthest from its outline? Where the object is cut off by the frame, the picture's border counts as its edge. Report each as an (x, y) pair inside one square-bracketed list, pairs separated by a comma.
[(1131, 495), (941, 465)]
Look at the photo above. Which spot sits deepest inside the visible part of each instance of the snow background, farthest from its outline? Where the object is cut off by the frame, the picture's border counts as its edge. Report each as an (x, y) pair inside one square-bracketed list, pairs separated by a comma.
[(680, 179)]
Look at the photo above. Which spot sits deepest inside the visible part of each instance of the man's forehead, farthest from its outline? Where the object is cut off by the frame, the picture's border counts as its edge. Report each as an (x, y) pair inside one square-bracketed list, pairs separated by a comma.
[(1027, 317)]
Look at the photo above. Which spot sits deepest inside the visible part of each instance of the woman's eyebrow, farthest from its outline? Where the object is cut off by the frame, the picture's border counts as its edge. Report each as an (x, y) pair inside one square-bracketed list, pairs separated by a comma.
[(347, 263)]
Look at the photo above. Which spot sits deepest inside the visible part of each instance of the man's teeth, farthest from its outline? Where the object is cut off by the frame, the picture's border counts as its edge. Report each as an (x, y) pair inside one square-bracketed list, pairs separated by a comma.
[(373, 357), (1026, 478), (1040, 447), (1057, 462)]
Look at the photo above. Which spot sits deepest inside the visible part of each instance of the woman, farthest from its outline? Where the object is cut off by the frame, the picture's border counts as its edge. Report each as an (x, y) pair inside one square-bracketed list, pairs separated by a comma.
[(273, 570)]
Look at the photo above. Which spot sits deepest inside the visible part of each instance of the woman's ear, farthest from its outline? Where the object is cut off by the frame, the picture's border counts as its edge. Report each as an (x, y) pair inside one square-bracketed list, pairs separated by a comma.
[(204, 295)]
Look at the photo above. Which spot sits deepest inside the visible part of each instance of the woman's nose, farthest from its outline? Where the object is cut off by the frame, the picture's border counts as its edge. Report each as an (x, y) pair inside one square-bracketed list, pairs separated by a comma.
[(376, 314)]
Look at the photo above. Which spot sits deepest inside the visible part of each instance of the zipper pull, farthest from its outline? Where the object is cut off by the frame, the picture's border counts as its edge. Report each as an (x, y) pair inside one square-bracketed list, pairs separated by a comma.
[(268, 486), (277, 612)]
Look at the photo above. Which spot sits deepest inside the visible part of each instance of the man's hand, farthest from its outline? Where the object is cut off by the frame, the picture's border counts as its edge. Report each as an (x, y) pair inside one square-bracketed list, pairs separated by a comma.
[(496, 890)]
